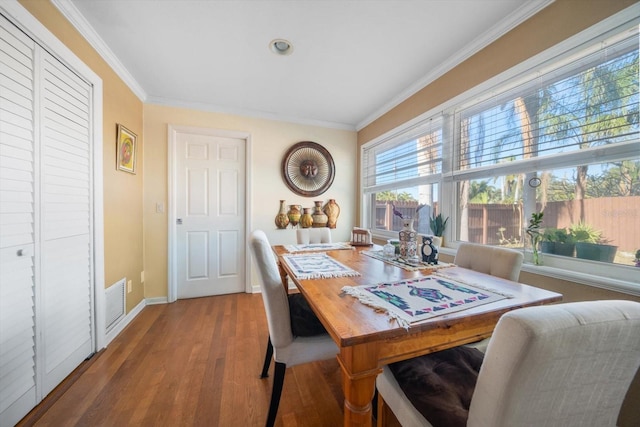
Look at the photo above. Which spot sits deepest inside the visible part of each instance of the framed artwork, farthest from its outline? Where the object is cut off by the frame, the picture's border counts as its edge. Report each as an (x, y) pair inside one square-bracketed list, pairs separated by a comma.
[(126, 155)]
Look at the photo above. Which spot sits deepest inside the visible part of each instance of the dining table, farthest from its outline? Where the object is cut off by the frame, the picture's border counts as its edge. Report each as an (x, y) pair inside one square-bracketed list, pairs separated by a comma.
[(369, 339)]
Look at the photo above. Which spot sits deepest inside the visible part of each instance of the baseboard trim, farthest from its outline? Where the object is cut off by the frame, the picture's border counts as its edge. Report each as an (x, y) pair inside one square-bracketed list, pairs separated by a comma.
[(124, 322), (157, 300)]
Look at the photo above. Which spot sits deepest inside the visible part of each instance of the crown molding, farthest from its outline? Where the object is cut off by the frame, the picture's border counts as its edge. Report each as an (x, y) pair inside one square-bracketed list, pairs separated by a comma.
[(73, 15), (510, 22), (200, 106)]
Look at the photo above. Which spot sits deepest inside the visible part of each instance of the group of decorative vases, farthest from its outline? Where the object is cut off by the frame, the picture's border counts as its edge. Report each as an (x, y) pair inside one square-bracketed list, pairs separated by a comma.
[(326, 216)]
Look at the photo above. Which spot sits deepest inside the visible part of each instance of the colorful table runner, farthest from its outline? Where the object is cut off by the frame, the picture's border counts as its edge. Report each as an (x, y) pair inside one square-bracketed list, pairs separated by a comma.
[(317, 266), (316, 247), (413, 300), (398, 262)]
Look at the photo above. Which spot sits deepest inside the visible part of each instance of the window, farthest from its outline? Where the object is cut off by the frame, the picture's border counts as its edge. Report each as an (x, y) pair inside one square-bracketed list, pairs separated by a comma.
[(565, 143), (558, 134), (402, 175)]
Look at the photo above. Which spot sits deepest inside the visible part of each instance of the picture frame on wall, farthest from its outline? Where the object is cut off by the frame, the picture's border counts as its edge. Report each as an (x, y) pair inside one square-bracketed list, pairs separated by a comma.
[(126, 145)]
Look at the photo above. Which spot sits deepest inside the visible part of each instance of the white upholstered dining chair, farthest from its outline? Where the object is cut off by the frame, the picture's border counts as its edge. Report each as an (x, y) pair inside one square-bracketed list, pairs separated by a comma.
[(288, 350), (558, 365), (306, 236), (494, 260)]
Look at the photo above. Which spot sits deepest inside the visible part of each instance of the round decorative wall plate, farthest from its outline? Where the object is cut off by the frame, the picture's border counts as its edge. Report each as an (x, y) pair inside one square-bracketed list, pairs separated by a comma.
[(308, 169)]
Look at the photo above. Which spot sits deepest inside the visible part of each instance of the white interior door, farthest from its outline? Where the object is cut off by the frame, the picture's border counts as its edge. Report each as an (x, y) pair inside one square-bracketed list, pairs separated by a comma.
[(210, 213)]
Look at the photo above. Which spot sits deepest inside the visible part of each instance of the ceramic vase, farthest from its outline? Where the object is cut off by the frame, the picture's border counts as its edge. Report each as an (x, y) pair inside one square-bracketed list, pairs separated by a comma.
[(332, 210), (319, 217), (408, 242), (306, 220), (294, 214), (282, 220)]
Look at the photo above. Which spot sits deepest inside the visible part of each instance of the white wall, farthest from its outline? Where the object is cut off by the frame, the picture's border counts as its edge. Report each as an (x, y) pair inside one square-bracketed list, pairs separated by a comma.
[(270, 140)]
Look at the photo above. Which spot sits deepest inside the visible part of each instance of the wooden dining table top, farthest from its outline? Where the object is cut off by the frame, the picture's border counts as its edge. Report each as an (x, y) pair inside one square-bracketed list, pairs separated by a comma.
[(368, 339), (351, 322)]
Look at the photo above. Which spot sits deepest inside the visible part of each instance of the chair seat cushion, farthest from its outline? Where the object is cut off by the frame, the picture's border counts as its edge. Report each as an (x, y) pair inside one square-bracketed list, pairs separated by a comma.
[(440, 385), (304, 322)]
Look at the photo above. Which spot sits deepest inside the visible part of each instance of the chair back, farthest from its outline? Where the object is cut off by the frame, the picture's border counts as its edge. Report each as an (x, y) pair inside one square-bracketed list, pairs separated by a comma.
[(494, 260), (307, 236), (276, 303), (561, 365)]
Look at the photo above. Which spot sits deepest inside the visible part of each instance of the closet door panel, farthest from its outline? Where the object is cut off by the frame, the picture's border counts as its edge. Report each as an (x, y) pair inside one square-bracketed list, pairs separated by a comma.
[(66, 221), (17, 226)]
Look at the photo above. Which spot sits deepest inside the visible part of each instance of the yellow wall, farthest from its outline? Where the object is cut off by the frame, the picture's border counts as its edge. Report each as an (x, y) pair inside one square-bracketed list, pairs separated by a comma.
[(269, 142), (122, 191)]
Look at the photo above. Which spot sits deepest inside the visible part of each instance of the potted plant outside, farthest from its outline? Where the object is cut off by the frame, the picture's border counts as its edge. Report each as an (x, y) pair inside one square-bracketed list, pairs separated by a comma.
[(535, 235), (558, 241), (590, 244)]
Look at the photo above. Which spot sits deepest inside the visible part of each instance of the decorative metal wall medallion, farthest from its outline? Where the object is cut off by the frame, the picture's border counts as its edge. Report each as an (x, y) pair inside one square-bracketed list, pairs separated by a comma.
[(308, 169)]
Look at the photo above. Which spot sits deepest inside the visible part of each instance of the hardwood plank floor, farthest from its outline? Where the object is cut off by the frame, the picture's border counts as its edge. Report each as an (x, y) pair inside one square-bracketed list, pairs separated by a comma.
[(193, 363)]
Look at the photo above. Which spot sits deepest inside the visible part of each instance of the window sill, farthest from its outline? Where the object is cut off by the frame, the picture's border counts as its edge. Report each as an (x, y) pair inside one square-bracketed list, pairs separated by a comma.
[(589, 279), (612, 277)]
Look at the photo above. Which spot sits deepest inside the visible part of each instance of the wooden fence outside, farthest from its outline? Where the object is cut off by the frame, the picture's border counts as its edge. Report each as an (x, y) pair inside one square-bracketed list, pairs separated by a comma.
[(617, 217)]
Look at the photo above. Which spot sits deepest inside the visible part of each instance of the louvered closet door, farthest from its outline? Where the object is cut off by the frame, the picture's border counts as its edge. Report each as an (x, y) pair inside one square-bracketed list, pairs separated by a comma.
[(66, 244), (46, 248), (17, 222)]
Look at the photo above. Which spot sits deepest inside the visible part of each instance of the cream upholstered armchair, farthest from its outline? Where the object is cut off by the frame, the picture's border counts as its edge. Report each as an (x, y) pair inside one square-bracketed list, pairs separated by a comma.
[(306, 236), (288, 350), (494, 260), (558, 365)]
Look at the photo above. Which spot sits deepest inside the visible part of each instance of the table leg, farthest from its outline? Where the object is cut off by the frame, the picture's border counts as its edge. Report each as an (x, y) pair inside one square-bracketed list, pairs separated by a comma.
[(359, 372), (284, 277)]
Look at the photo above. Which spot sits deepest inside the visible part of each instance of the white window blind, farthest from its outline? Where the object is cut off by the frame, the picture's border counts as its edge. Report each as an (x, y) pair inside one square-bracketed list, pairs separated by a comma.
[(410, 159), (585, 103)]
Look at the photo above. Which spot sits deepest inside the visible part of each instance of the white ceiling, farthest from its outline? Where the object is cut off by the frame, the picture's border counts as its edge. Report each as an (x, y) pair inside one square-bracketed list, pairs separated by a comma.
[(353, 60)]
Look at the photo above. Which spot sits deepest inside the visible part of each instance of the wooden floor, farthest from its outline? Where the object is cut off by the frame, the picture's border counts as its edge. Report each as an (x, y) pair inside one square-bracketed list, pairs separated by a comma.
[(194, 363)]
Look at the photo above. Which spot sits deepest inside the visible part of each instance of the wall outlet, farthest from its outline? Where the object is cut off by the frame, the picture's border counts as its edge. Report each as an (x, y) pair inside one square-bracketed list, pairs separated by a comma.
[(159, 207), (129, 287), (142, 277)]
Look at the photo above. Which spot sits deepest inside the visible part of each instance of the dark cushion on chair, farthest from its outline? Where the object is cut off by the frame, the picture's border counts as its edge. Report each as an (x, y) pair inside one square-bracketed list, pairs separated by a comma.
[(440, 385), (304, 322)]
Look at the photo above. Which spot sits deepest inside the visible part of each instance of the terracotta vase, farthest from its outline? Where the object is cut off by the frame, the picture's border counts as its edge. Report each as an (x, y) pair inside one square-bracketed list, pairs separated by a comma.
[(294, 214), (408, 242), (306, 220), (282, 220), (332, 210), (319, 217)]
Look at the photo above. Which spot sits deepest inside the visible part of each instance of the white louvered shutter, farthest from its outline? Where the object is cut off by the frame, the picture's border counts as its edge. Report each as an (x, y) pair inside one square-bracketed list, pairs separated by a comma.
[(17, 222)]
